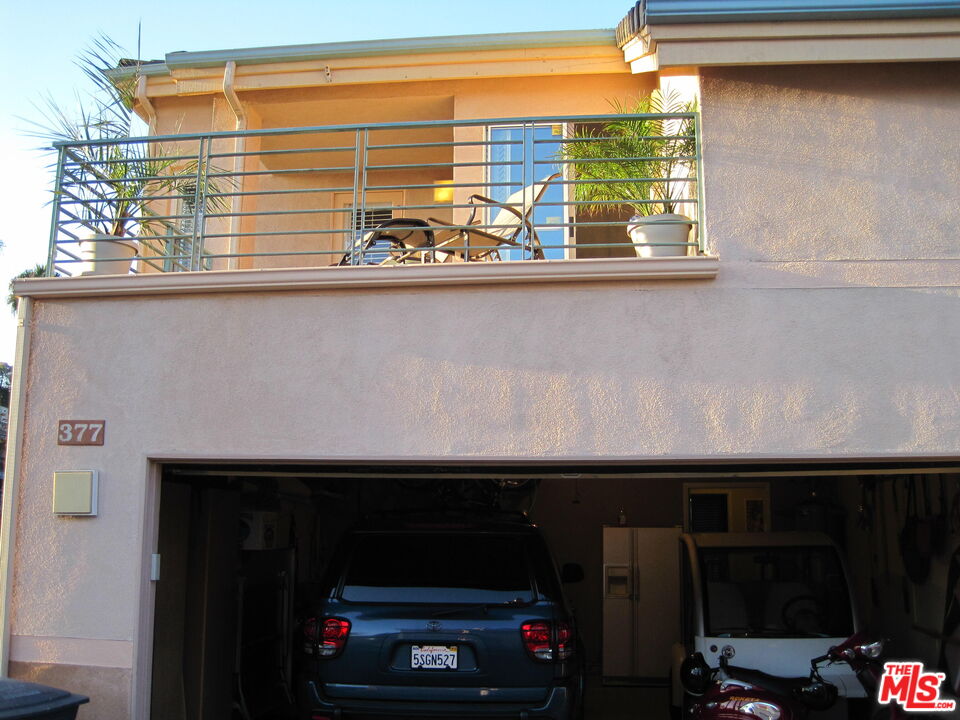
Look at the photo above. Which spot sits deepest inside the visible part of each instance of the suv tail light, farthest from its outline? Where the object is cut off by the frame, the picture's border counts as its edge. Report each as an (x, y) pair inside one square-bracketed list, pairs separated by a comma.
[(325, 637), (564, 640), (541, 638)]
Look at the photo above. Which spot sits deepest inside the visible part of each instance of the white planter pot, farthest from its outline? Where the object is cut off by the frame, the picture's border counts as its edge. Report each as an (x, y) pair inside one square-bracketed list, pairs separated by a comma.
[(106, 255), (645, 230)]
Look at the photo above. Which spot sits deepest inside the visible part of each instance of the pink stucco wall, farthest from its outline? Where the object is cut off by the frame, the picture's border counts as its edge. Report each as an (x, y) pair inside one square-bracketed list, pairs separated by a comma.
[(829, 331)]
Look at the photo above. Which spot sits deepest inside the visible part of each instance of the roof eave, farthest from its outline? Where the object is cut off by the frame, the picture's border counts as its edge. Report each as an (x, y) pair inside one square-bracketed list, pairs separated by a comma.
[(396, 46)]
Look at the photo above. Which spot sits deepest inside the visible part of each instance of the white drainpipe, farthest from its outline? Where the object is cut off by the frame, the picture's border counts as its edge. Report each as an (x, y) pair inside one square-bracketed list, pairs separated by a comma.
[(240, 145), (141, 95), (11, 484)]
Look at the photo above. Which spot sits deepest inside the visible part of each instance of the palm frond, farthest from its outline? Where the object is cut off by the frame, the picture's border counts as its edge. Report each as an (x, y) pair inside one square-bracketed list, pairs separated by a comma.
[(634, 162), (115, 177)]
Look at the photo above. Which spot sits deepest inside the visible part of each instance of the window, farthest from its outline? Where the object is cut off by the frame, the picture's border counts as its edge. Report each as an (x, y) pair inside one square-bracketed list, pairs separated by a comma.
[(522, 155), (438, 567), (355, 223)]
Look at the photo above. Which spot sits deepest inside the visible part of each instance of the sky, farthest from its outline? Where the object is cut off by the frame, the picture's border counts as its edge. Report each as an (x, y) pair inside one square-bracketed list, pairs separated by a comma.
[(39, 42)]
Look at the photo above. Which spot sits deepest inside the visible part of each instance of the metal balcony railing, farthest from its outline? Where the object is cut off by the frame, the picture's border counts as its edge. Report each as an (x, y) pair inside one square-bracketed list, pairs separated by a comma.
[(546, 188)]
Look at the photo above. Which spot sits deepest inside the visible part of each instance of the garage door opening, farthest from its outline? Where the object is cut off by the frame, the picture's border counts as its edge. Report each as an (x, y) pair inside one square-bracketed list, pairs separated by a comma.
[(243, 548)]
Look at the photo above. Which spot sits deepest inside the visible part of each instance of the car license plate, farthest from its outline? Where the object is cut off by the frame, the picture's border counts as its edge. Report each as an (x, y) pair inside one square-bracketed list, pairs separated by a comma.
[(433, 657)]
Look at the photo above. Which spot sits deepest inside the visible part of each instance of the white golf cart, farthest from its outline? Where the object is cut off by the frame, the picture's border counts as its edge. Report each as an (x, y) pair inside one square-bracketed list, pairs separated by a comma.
[(768, 601)]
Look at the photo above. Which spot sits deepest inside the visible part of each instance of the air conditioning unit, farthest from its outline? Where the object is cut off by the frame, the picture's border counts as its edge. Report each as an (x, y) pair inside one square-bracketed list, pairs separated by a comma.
[(259, 530)]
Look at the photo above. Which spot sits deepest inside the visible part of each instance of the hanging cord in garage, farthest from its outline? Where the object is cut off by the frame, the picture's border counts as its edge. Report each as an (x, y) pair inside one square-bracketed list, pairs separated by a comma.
[(915, 539), (955, 508), (868, 492)]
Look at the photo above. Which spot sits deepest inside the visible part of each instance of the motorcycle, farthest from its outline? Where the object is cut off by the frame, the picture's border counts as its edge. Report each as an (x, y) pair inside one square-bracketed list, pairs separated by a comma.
[(736, 693), (863, 657)]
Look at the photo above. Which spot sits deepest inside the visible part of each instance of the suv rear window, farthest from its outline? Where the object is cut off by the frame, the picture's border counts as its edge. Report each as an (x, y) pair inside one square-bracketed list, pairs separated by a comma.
[(438, 568)]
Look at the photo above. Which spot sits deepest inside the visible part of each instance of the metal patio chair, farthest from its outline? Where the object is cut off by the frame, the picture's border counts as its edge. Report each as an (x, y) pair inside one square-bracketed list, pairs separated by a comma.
[(506, 228), (393, 241)]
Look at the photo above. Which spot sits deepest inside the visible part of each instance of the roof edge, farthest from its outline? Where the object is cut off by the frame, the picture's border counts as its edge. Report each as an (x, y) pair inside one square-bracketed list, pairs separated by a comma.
[(648, 13), (394, 46)]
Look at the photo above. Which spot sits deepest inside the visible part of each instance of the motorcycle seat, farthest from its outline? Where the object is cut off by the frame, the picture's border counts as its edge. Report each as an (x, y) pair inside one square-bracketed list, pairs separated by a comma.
[(779, 685)]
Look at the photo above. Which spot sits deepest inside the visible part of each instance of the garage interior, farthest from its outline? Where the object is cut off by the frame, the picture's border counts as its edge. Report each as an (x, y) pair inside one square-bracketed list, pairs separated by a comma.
[(241, 546)]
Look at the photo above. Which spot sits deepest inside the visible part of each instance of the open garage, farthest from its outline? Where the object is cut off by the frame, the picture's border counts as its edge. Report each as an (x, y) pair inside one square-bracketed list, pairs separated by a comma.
[(241, 547)]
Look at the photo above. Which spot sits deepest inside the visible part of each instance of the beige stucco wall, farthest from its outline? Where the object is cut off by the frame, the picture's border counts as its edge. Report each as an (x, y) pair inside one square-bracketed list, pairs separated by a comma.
[(550, 371), (833, 162), (809, 343)]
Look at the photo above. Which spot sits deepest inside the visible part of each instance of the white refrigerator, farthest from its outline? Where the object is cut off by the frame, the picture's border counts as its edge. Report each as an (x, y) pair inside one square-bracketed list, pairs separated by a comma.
[(641, 597)]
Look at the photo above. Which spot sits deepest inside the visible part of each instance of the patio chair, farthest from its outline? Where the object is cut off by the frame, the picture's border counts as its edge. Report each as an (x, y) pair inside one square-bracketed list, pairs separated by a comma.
[(506, 227), (394, 241)]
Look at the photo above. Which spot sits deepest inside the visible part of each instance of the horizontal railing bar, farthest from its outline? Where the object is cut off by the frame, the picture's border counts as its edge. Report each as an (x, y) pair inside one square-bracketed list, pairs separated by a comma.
[(417, 166), (563, 203), (290, 151), (70, 255), (145, 179), (305, 211), (374, 127), (570, 246), (616, 181), (290, 191), (591, 138), (171, 159), (447, 143), (288, 171), (267, 253), (76, 238), (446, 206), (140, 200), (648, 158), (281, 233), (413, 186)]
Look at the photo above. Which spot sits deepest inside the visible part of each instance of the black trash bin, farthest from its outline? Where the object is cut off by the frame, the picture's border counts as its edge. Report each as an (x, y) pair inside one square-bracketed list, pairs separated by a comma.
[(30, 700)]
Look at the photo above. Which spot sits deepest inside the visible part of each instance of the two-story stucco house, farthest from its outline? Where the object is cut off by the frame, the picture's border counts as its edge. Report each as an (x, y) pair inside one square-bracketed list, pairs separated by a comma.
[(377, 278)]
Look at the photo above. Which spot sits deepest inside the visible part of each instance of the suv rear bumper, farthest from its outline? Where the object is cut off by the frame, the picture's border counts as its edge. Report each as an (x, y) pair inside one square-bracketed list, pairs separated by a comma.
[(559, 705)]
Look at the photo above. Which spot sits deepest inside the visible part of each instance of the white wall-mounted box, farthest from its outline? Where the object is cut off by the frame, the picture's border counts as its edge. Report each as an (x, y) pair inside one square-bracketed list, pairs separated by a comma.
[(75, 492)]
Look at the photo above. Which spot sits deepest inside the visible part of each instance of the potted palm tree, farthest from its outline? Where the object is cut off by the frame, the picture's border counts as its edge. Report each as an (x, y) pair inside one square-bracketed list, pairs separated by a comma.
[(116, 178), (642, 164)]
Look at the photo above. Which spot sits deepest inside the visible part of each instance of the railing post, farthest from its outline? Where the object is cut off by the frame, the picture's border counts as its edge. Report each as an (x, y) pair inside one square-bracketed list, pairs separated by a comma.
[(354, 259), (527, 134), (361, 211), (199, 205), (701, 228), (55, 224)]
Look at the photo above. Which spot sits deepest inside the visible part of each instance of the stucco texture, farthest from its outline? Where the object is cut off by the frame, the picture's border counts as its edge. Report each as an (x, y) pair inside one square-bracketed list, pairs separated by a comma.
[(666, 371), (107, 688), (833, 161), (793, 351)]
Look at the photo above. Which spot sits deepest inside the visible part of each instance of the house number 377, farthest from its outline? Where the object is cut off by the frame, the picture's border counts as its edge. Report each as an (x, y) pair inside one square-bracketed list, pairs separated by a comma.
[(80, 432)]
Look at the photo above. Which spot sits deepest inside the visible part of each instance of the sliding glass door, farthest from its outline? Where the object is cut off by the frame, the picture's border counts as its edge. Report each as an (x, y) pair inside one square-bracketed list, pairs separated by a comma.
[(522, 156)]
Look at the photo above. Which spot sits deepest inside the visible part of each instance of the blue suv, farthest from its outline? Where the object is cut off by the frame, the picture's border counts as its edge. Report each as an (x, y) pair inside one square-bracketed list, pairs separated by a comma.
[(445, 617)]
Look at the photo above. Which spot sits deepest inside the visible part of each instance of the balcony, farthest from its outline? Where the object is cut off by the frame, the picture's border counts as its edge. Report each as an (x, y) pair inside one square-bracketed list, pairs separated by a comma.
[(514, 190)]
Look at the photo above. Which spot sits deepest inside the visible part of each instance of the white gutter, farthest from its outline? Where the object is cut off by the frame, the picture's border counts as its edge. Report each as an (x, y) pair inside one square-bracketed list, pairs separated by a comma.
[(144, 100), (396, 46), (11, 484), (370, 48), (240, 144)]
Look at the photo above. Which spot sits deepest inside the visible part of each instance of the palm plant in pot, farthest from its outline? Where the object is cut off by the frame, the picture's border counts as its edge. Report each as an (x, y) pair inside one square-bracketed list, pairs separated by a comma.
[(642, 163), (115, 178)]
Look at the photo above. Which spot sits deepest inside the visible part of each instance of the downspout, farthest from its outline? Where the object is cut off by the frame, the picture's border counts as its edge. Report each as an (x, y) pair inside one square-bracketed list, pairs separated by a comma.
[(148, 108), (240, 144), (11, 484)]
